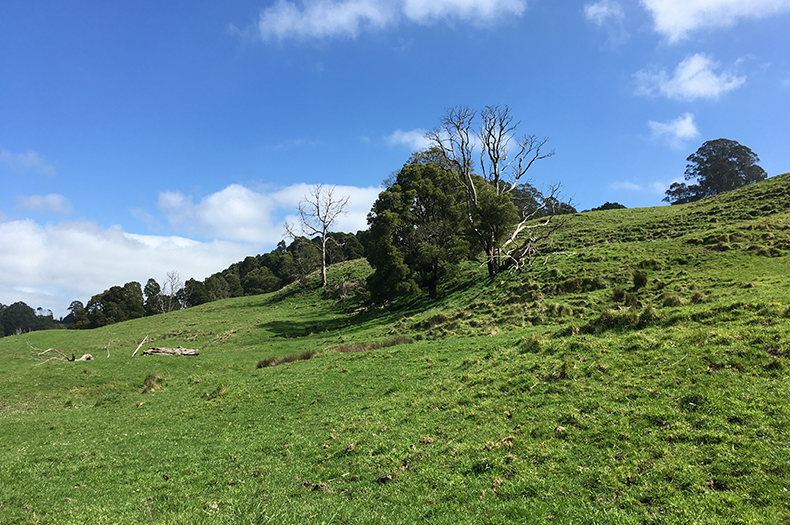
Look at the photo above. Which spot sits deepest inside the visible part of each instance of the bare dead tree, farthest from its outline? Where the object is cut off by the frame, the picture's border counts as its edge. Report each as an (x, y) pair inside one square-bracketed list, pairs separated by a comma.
[(318, 210), (168, 296), (504, 160)]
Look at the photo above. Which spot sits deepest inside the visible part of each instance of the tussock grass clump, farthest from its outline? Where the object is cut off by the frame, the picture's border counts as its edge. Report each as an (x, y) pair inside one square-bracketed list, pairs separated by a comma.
[(640, 279), (151, 383), (217, 393), (345, 349), (375, 345), (633, 318), (671, 299), (288, 358)]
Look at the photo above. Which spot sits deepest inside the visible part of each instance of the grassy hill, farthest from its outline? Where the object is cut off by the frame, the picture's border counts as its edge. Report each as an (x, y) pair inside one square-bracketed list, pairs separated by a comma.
[(640, 376)]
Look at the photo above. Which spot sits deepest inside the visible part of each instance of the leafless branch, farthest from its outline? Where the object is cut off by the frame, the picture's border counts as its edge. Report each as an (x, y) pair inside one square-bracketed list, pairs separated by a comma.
[(317, 213)]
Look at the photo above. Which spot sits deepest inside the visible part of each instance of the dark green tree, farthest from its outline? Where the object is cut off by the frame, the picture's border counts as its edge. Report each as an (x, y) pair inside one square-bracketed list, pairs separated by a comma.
[(194, 293), (718, 166), (152, 299), (231, 276), (416, 228), (259, 281), (18, 318), (217, 287), (609, 206), (115, 305)]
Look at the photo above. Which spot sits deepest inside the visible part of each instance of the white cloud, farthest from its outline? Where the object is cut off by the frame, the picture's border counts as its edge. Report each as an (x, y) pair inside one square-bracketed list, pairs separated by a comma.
[(654, 187), (348, 18), (52, 265), (694, 77), (600, 13), (630, 186), (608, 15), (414, 139), (423, 11), (44, 203), (238, 213), (677, 19), (25, 162), (676, 132)]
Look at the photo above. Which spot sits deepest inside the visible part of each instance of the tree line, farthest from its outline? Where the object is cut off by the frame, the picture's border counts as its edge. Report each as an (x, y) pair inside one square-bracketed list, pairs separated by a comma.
[(253, 276)]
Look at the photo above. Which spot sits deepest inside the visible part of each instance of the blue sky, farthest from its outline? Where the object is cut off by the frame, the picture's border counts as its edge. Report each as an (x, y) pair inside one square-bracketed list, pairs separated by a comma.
[(137, 138)]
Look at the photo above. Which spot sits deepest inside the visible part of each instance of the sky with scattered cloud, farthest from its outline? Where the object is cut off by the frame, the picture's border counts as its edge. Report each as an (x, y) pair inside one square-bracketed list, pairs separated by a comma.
[(141, 138)]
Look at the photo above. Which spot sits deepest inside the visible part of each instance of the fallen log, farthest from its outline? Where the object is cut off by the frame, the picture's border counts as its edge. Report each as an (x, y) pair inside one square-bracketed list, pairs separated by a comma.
[(170, 351)]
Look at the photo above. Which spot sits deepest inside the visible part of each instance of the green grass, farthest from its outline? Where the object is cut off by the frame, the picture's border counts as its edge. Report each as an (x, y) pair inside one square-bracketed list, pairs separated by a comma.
[(535, 397)]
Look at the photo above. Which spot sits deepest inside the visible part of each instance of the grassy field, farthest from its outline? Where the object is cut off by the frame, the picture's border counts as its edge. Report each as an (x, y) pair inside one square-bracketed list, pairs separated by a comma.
[(639, 376)]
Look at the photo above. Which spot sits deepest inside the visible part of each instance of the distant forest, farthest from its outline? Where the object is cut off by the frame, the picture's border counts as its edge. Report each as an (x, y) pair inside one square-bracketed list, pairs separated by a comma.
[(252, 276)]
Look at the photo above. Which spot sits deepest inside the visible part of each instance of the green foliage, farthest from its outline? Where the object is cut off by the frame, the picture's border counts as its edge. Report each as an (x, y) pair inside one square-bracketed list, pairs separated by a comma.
[(114, 305), (609, 206), (19, 318), (151, 292), (416, 230), (717, 166)]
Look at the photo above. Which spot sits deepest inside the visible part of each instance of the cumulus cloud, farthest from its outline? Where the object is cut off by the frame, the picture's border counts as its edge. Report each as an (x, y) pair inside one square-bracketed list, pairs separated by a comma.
[(52, 265), (348, 18), (675, 20), (26, 162), (695, 77), (608, 15), (602, 12), (658, 188), (43, 203), (238, 213), (414, 139), (676, 132)]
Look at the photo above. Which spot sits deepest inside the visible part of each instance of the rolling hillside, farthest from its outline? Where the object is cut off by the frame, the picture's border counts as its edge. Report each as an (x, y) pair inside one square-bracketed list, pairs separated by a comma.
[(639, 375)]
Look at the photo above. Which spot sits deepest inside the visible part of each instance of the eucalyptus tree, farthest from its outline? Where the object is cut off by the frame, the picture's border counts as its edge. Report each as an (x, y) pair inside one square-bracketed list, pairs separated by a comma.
[(488, 140), (718, 166), (318, 211)]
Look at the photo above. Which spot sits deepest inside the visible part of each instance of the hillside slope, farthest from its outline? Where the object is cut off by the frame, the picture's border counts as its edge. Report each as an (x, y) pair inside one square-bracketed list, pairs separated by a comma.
[(640, 375)]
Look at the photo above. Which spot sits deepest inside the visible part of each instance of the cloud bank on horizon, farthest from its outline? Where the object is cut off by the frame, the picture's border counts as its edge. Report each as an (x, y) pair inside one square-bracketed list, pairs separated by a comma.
[(74, 260)]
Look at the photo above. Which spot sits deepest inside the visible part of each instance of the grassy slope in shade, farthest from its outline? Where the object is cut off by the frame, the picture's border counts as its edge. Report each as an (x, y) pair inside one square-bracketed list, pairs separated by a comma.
[(537, 397)]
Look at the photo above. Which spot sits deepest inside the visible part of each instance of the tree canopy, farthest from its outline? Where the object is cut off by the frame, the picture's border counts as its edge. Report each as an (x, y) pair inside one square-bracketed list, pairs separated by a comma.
[(718, 166), (416, 230), (609, 206)]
